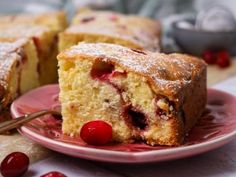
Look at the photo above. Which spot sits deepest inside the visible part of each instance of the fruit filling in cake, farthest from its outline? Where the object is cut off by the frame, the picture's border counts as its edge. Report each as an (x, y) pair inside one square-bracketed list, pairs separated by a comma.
[(134, 116), (143, 95)]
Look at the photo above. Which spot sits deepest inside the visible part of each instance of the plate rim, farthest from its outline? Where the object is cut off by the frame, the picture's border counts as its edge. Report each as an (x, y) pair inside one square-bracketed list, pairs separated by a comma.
[(192, 149), (23, 130)]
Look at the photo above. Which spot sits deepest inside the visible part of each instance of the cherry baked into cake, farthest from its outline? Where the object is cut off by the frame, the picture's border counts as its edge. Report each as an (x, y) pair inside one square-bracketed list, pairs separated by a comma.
[(112, 27), (145, 96)]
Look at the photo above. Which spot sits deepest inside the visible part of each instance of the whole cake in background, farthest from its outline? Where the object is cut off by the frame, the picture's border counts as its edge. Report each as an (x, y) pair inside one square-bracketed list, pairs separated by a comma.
[(112, 27), (143, 95), (42, 30)]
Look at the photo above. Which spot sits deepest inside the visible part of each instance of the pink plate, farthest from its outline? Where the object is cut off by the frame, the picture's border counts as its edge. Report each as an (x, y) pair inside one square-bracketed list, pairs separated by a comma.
[(216, 128)]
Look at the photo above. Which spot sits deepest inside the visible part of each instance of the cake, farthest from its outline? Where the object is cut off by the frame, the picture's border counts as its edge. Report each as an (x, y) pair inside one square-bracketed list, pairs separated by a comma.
[(112, 27), (54, 20), (43, 30), (143, 95), (18, 70)]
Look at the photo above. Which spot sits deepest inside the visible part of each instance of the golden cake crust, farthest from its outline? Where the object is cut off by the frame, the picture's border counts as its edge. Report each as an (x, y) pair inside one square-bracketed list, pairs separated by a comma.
[(113, 27), (7, 31), (168, 74), (9, 52), (53, 20)]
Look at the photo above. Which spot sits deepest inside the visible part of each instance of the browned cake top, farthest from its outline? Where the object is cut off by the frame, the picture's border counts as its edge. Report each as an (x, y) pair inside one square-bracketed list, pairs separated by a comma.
[(8, 47), (167, 74), (53, 20), (9, 54), (21, 30), (139, 30)]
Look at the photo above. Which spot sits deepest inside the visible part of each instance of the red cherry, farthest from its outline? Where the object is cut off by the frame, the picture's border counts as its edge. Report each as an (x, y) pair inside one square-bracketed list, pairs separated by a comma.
[(14, 164), (113, 17), (223, 59), (54, 174), (101, 71), (209, 57), (87, 19), (96, 132)]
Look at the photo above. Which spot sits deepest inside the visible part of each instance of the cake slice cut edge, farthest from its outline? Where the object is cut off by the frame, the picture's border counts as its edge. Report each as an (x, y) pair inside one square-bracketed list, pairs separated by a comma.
[(143, 95), (18, 64)]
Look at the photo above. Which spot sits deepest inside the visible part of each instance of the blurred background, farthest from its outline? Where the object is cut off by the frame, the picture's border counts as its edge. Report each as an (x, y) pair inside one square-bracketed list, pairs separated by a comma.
[(190, 26)]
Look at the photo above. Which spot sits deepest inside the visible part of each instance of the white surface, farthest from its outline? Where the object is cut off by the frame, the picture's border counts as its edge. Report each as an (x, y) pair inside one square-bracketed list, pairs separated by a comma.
[(71, 167), (205, 4), (217, 163), (228, 85)]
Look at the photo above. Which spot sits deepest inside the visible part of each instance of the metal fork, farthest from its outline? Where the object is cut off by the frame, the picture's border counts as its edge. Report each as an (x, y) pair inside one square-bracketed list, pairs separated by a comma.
[(15, 123)]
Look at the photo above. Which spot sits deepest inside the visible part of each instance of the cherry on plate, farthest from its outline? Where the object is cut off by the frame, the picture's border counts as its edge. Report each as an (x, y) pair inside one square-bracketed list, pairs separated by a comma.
[(96, 132), (223, 59), (54, 174), (113, 17), (209, 56), (14, 164)]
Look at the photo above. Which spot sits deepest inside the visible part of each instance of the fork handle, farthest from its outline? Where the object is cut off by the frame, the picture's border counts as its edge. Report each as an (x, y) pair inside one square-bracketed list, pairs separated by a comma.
[(15, 123)]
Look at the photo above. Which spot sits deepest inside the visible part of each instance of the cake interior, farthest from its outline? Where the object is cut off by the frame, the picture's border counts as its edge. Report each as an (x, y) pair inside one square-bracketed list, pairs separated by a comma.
[(29, 76), (10, 84), (93, 89), (47, 51)]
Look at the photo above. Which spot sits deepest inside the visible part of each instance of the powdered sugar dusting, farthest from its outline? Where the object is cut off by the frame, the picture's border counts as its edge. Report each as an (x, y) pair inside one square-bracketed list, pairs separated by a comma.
[(6, 63), (168, 73), (139, 30), (52, 20), (21, 30), (10, 53), (12, 46)]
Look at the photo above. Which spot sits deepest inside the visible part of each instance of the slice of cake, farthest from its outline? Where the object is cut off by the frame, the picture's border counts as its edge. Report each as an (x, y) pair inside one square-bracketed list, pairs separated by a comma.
[(18, 69), (43, 30), (54, 20), (150, 96), (112, 27)]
